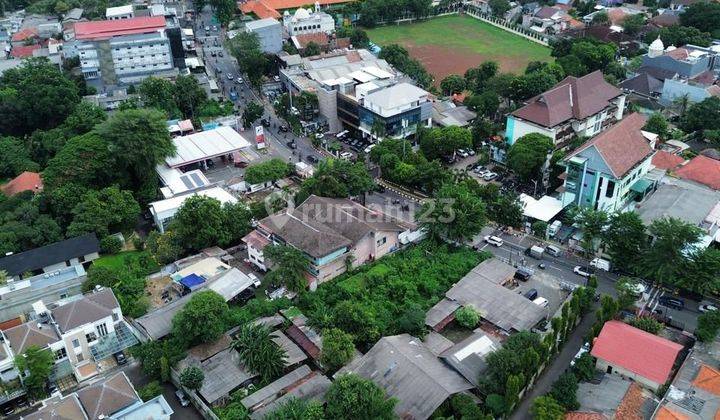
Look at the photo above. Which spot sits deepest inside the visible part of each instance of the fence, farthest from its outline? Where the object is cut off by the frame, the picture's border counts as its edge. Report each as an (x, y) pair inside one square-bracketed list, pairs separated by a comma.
[(510, 27)]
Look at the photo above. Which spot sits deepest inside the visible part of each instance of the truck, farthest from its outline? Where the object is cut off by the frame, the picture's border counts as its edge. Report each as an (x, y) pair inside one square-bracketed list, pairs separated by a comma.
[(554, 228), (536, 251), (600, 264)]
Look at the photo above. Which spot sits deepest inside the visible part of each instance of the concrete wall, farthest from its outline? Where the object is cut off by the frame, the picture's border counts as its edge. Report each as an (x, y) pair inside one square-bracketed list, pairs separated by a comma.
[(517, 128), (616, 370)]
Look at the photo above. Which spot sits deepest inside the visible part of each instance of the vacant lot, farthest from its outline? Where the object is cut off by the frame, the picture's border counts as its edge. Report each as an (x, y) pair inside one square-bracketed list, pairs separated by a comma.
[(452, 44)]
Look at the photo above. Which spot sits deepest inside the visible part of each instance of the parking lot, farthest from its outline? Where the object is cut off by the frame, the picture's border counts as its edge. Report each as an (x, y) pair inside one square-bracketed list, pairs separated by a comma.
[(547, 286)]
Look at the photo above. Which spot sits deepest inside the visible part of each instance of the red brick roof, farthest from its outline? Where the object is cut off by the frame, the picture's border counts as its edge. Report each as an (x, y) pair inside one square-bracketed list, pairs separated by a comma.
[(14, 322), (573, 97), (260, 9), (584, 415), (104, 29), (665, 413), (640, 352), (26, 181), (320, 38), (24, 51), (630, 407), (24, 34), (622, 146), (703, 170), (708, 379), (667, 161), (270, 8)]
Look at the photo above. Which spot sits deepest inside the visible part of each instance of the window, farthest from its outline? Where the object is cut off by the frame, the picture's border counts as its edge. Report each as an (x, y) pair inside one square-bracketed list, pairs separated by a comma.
[(80, 357), (610, 191), (60, 354), (115, 317), (90, 337), (102, 330), (381, 241), (76, 343)]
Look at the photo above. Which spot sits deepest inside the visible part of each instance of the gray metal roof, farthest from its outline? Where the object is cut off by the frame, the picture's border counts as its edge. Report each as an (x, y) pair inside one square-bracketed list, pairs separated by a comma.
[(223, 373), (440, 311), (269, 393), (468, 356), (261, 23), (407, 370), (313, 388), (683, 200), (294, 353)]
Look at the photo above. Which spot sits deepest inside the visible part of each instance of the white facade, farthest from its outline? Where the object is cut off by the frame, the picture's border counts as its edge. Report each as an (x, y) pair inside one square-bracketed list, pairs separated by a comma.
[(163, 211), (120, 12), (304, 21)]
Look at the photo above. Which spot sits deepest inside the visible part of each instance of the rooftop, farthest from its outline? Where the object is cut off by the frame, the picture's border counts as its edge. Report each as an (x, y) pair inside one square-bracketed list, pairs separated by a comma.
[(167, 208), (197, 147), (703, 170), (105, 29), (59, 408), (108, 397), (31, 333), (26, 181), (666, 160), (47, 255), (118, 11), (401, 94), (683, 200), (572, 98), (92, 307), (270, 8), (261, 23), (468, 356), (640, 352)]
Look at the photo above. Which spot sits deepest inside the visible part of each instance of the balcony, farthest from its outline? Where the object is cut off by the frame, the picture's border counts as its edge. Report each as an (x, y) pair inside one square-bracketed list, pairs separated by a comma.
[(113, 342)]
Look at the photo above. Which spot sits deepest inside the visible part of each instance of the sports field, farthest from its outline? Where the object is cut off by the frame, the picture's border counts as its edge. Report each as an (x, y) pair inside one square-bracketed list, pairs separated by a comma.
[(452, 44)]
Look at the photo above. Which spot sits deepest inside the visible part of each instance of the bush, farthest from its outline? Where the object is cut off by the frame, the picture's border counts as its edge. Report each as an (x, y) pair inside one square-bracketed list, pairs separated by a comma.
[(584, 367), (496, 404), (192, 377), (150, 391), (708, 326), (646, 323), (564, 391), (467, 316), (337, 349), (110, 245), (539, 228), (138, 243)]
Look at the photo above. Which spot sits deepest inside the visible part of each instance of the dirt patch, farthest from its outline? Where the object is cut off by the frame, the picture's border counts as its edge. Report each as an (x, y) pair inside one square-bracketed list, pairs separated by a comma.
[(155, 287)]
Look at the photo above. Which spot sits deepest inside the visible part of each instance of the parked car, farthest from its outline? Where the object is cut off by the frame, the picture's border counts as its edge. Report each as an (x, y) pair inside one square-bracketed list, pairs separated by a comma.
[(707, 308), (582, 271), (531, 294), (312, 159), (672, 302), (494, 240), (284, 128), (239, 80), (523, 273), (229, 76), (346, 155), (471, 152), (541, 302), (489, 176), (207, 29), (553, 250), (600, 263), (291, 144), (535, 252), (463, 153), (184, 401), (120, 358)]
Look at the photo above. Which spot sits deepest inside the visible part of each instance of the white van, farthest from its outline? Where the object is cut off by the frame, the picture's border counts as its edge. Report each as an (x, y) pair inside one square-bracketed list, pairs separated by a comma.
[(541, 302), (369, 148), (553, 250), (494, 240), (600, 264)]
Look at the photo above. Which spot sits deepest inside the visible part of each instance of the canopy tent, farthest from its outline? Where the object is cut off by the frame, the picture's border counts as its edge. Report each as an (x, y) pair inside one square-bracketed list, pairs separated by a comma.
[(192, 281), (543, 209)]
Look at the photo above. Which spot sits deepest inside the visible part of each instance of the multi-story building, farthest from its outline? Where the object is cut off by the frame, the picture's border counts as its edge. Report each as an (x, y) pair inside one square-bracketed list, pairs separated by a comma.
[(81, 331), (119, 12), (123, 51), (269, 32), (395, 111), (304, 21), (577, 106), (608, 171)]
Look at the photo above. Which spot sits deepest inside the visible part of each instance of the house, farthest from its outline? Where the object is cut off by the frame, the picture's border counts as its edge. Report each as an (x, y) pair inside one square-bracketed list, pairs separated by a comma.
[(700, 169), (269, 32), (667, 161), (124, 51), (81, 332), (80, 250), (304, 21), (550, 20), (26, 181), (119, 12), (577, 106), (608, 171), (631, 352), (113, 398), (468, 356), (163, 211), (483, 288), (407, 370), (273, 8), (643, 84), (332, 233), (447, 114)]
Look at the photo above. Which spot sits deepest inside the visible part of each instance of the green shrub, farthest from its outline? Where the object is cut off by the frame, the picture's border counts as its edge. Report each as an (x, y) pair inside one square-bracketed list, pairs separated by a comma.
[(192, 377), (110, 245), (708, 326), (150, 391), (467, 316), (646, 323)]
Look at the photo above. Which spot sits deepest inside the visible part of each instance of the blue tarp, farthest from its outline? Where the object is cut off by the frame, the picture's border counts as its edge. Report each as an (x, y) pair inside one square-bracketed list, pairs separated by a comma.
[(192, 281)]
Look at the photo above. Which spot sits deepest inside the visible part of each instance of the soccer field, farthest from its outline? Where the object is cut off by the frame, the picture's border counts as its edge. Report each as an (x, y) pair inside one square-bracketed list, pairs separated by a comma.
[(452, 44)]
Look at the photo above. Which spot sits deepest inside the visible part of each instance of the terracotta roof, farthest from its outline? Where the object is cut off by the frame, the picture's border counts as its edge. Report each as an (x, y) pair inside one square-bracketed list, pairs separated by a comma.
[(573, 97), (703, 170), (320, 38), (256, 240), (104, 29), (30, 334), (667, 161), (617, 15), (67, 408), (622, 146), (24, 51), (640, 352), (666, 19), (708, 379), (90, 308), (14, 322), (24, 34), (665, 413), (678, 54), (108, 397), (26, 181), (270, 8), (631, 405), (584, 415)]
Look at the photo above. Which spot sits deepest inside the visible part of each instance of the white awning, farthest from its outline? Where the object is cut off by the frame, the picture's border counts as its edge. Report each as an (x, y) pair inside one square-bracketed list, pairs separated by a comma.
[(543, 209), (206, 145)]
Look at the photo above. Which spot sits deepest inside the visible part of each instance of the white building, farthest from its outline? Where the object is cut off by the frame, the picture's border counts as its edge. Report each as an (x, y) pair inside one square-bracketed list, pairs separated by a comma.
[(119, 12), (163, 211), (123, 51), (304, 21)]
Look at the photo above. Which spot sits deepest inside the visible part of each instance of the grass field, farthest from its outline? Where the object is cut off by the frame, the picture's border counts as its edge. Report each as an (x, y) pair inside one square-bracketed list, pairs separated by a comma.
[(125, 259), (452, 44)]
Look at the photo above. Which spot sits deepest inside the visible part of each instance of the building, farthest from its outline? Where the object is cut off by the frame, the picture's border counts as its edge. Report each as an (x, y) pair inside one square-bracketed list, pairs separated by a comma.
[(468, 356), (273, 8), (333, 233), (119, 12), (628, 351), (164, 211), (550, 20), (483, 288), (448, 114), (269, 32), (396, 111), (26, 181), (577, 106), (80, 331), (123, 51), (702, 170), (407, 370), (305, 21), (608, 170), (80, 250), (222, 141), (113, 398)]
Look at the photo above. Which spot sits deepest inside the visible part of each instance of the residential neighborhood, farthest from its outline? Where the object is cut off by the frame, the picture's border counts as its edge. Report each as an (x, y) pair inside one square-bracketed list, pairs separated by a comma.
[(360, 209)]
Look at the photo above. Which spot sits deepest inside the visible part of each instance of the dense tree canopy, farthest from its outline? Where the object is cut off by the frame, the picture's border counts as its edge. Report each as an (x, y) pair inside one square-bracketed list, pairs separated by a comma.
[(703, 115), (337, 178), (103, 212), (351, 397), (289, 266), (202, 222), (202, 320), (455, 213), (270, 170), (436, 143), (259, 353), (452, 84), (625, 240), (705, 16), (36, 363), (528, 154), (666, 259), (679, 35), (245, 47)]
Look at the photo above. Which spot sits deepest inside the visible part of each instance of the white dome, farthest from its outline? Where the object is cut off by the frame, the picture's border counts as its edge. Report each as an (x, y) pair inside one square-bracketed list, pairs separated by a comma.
[(671, 48), (301, 14), (656, 48)]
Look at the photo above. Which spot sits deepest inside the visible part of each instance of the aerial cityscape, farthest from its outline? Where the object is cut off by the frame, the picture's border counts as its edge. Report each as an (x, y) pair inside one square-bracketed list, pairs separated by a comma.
[(360, 209)]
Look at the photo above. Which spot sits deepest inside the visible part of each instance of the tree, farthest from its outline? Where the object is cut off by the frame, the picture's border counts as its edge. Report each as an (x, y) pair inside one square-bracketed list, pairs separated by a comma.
[(665, 261), (73, 165), (110, 244), (452, 84), (353, 397), (202, 319), (14, 158), (657, 124), (477, 77), (512, 390), (532, 84), (564, 391), (467, 316), (103, 212), (633, 23), (485, 104), (150, 391), (593, 223), (36, 365), (337, 178), (625, 240), (252, 113), (703, 115), (164, 247), (528, 154), (270, 170), (584, 367), (288, 265), (245, 47), (600, 18), (454, 213), (311, 49), (154, 354), (546, 408), (297, 409), (496, 404), (436, 143), (192, 377), (647, 323), (337, 349), (626, 291), (702, 271), (189, 96), (708, 326), (499, 7), (157, 92), (258, 352), (679, 35), (199, 223), (703, 16)]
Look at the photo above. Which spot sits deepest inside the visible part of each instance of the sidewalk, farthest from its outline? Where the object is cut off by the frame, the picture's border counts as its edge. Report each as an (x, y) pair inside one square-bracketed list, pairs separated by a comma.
[(557, 368)]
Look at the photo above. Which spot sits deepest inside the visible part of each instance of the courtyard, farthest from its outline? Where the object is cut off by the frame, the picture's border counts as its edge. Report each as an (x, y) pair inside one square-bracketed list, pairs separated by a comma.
[(452, 44)]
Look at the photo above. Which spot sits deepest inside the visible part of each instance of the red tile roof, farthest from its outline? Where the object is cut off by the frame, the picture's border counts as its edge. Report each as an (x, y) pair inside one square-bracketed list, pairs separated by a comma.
[(584, 415), (260, 9), (667, 161), (573, 97), (708, 379), (678, 54), (622, 146), (703, 170), (665, 413), (24, 34), (14, 322), (270, 8), (631, 405), (640, 352), (320, 38), (24, 51), (26, 181), (104, 29)]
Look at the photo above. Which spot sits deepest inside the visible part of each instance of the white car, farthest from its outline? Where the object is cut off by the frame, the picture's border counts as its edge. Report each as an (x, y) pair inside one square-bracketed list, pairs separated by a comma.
[(346, 155), (462, 153), (707, 308), (239, 80), (582, 271), (229, 76), (489, 176), (471, 152), (494, 240)]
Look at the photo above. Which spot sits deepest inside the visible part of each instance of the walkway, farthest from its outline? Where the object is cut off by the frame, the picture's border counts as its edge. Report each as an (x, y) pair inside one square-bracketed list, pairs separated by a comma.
[(558, 367)]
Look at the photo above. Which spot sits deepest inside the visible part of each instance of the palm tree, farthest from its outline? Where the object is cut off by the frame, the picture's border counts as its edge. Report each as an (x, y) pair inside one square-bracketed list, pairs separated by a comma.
[(258, 352)]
